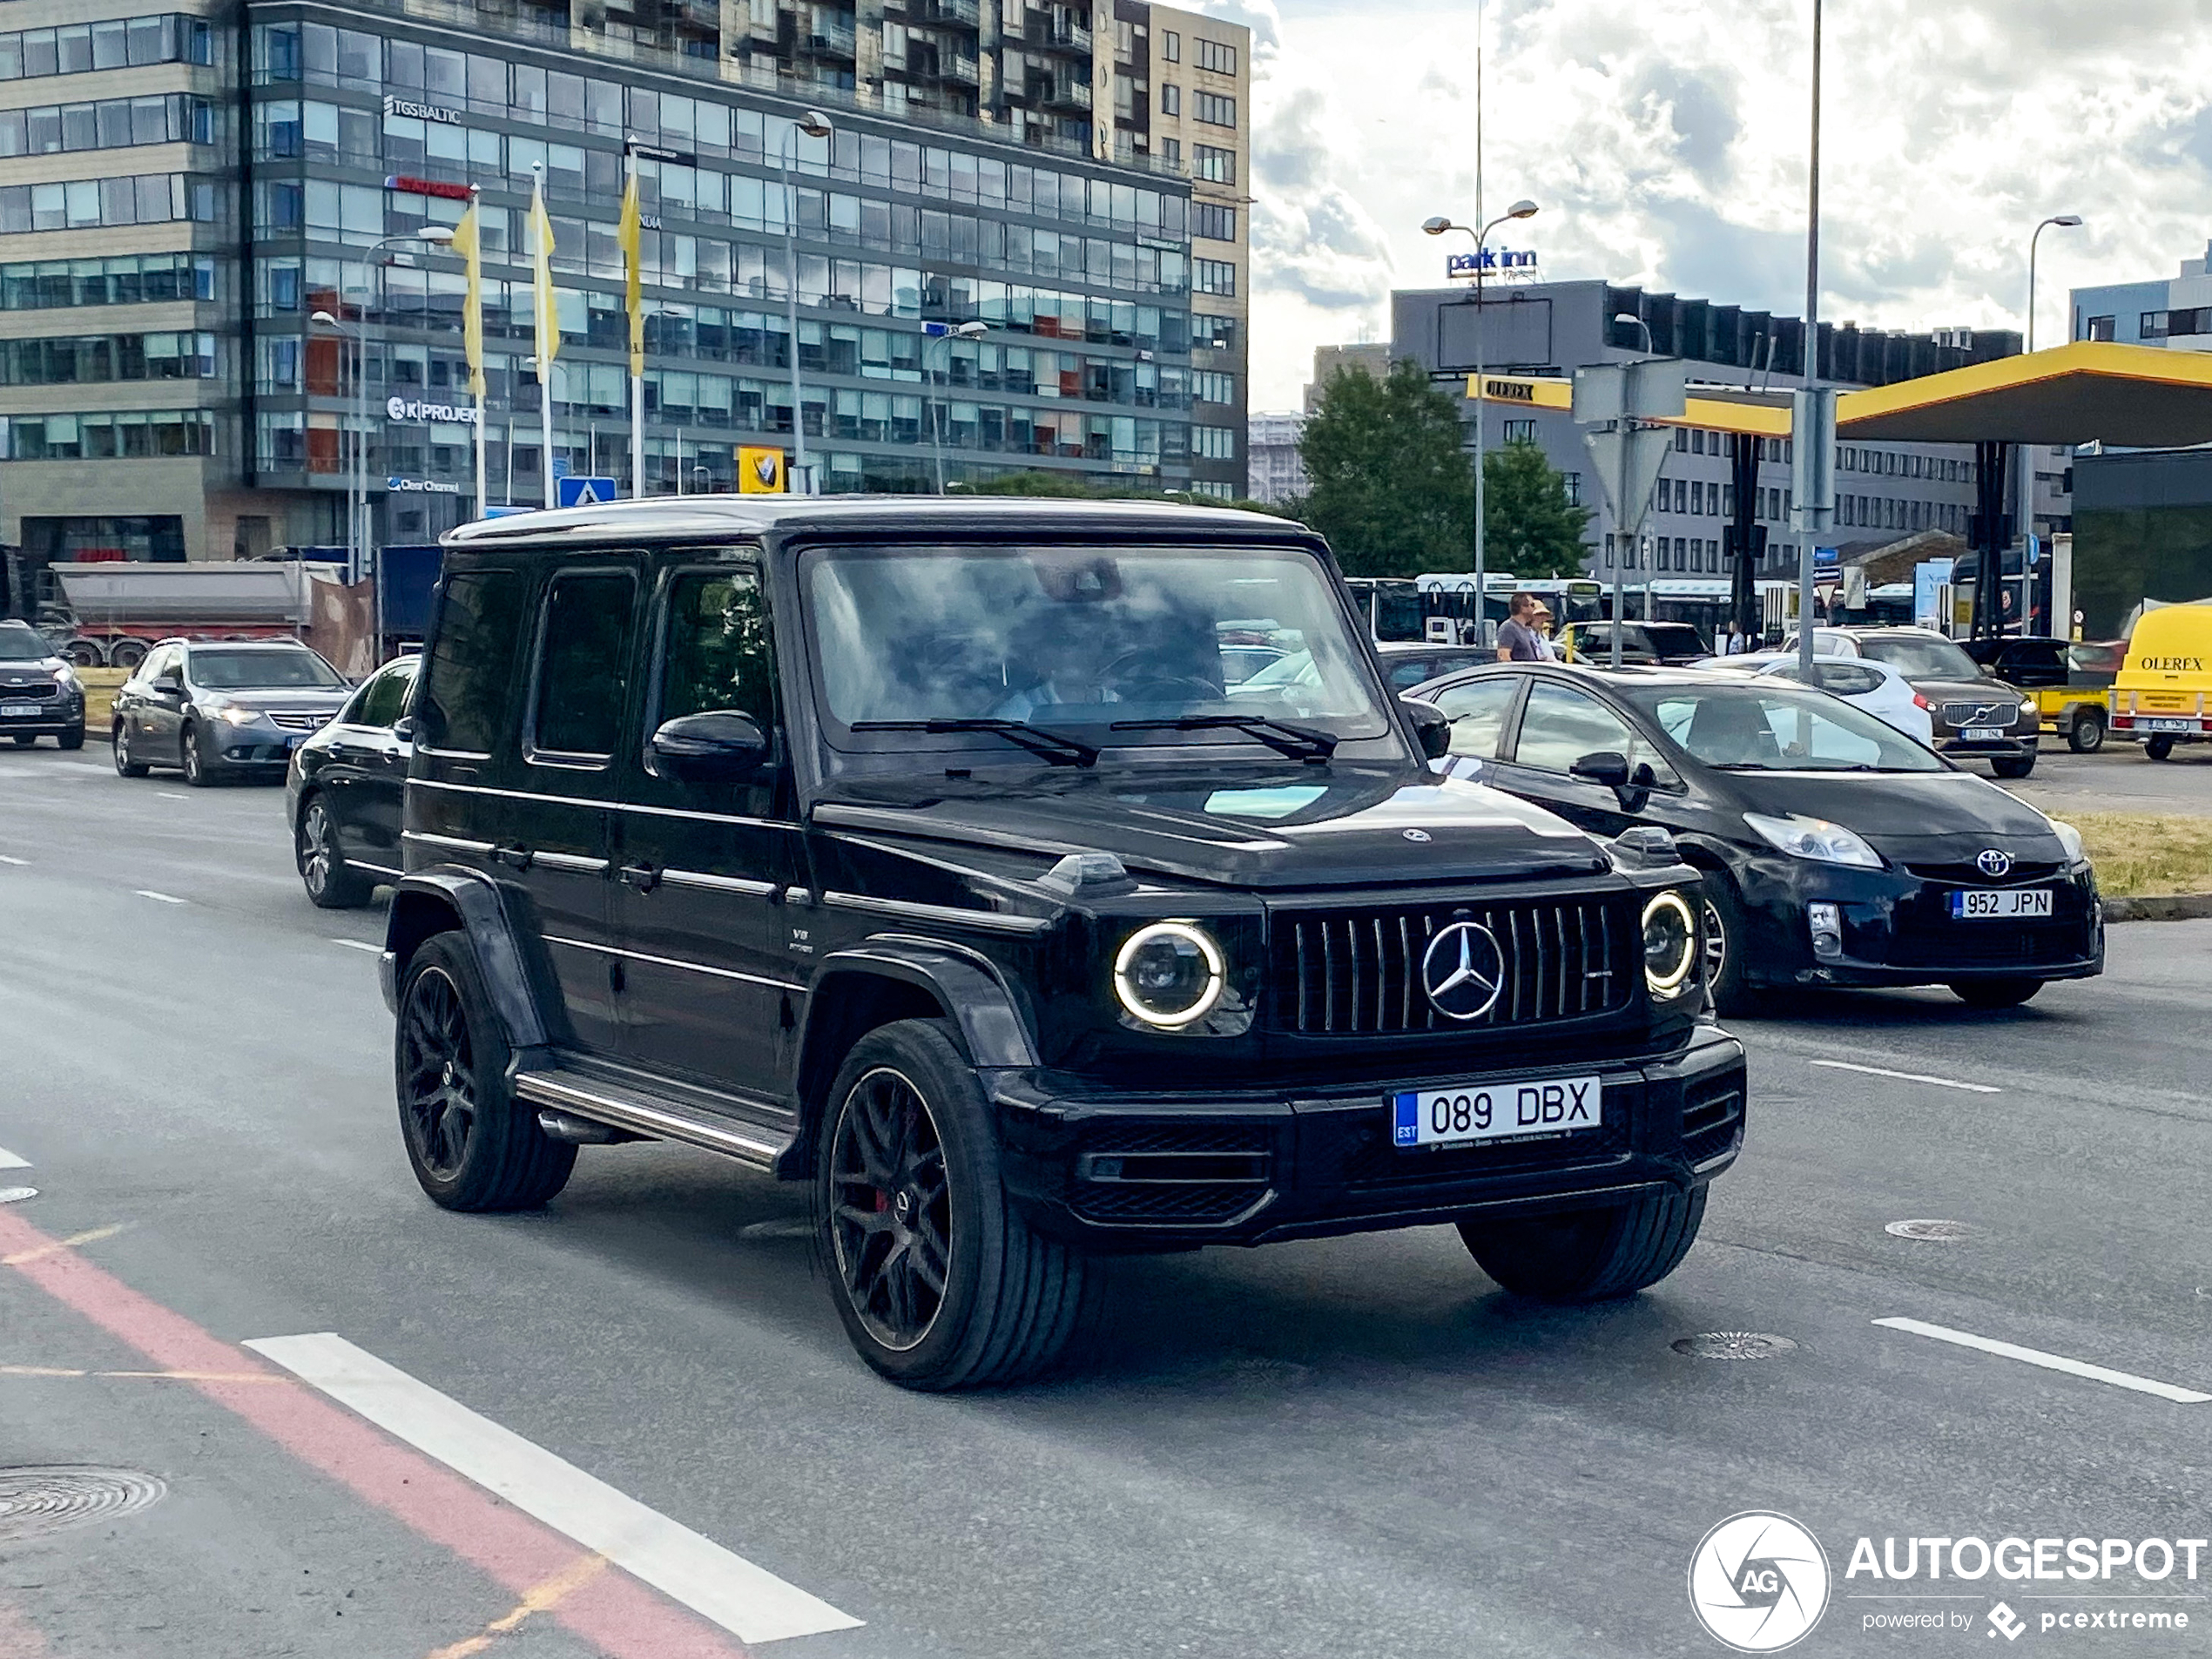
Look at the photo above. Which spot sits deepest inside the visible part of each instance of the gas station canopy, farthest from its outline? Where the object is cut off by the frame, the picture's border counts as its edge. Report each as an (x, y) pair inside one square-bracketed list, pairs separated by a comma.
[(2133, 397)]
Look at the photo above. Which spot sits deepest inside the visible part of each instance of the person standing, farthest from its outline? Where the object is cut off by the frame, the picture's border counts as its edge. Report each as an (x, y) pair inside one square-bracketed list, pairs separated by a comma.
[(1518, 640)]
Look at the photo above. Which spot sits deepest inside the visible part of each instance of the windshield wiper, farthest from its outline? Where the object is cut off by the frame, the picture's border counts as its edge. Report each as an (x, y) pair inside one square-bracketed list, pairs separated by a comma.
[(1300, 742), (1054, 746)]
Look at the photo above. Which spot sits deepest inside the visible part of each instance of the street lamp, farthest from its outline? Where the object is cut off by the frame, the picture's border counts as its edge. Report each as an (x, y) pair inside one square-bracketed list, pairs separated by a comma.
[(2064, 221), (814, 125), (2067, 222), (1634, 322), (939, 331), (1437, 226)]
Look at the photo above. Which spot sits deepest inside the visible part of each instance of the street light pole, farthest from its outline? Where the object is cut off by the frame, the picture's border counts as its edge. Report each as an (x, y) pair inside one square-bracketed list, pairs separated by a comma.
[(1523, 209), (938, 332), (1807, 512), (814, 125), (2056, 625)]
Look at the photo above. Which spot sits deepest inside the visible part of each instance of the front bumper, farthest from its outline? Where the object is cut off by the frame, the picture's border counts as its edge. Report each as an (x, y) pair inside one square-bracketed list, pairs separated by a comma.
[(57, 717), (2015, 744), (250, 748), (1131, 1172), (1897, 928)]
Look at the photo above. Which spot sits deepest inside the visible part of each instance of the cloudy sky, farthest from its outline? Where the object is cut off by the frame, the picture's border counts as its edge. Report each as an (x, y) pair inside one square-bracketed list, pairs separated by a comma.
[(1665, 140)]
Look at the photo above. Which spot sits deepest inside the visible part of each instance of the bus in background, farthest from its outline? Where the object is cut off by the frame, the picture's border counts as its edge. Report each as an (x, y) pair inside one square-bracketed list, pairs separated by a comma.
[(1392, 605), (1450, 595)]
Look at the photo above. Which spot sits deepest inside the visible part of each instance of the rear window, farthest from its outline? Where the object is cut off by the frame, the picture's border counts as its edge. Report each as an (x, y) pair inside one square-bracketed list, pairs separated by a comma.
[(471, 661), (1920, 656)]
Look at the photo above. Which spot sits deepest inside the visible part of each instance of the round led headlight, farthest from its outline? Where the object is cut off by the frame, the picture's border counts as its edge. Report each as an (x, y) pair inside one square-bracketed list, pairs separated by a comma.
[(1670, 943), (1169, 974)]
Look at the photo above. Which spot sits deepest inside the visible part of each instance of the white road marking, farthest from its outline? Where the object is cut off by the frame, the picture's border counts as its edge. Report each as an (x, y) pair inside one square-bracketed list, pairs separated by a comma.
[(1911, 1077), (9, 1161), (4, 858), (2048, 1361), (359, 944), (161, 898), (749, 1602), (170, 794)]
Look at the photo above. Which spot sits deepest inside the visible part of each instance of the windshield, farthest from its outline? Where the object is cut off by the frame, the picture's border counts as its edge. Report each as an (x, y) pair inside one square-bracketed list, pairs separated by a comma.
[(2103, 659), (1084, 639), (257, 671), (1920, 658), (1772, 728), (21, 643)]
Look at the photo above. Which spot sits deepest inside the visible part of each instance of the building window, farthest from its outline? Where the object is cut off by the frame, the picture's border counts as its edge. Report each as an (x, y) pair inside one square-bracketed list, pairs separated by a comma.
[(1213, 443), (1521, 432), (1172, 151), (2153, 325), (1209, 387), (1218, 56), (1216, 110), (79, 203), (118, 436), (123, 42), (1170, 99), (1215, 166), (2100, 328), (1212, 334), (1213, 276), (127, 279), (1212, 221), (1171, 46), (1572, 482)]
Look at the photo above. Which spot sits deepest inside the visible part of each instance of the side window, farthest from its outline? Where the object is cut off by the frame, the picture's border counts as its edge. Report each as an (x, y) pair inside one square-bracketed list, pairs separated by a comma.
[(384, 698), (583, 663), (471, 661), (157, 660), (1477, 712), (717, 654), (1561, 725)]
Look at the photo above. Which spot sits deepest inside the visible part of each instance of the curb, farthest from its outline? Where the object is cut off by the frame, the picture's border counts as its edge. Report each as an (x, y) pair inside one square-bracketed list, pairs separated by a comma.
[(2171, 907)]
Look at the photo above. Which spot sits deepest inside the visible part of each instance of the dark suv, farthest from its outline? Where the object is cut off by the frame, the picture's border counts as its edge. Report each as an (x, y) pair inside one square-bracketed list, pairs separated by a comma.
[(39, 692), (916, 850)]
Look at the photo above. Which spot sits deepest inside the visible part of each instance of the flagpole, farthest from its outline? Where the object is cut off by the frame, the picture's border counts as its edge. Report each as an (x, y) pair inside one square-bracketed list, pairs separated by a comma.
[(633, 244), (541, 256), (473, 329)]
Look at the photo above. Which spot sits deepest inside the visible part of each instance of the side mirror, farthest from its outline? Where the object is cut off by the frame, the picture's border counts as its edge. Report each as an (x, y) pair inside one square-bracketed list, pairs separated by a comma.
[(169, 685), (1430, 725), (403, 728), (718, 746), (1607, 767)]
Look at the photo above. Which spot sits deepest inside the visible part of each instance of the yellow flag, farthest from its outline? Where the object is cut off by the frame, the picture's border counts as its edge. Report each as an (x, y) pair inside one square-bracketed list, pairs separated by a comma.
[(547, 313), (630, 232), (465, 243)]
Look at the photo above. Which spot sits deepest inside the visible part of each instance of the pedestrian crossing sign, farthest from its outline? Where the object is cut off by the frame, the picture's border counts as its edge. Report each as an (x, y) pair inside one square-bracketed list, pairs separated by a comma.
[(584, 492)]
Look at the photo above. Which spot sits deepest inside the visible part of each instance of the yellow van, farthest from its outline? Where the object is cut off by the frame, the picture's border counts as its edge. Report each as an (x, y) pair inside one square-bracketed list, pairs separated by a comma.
[(2160, 697)]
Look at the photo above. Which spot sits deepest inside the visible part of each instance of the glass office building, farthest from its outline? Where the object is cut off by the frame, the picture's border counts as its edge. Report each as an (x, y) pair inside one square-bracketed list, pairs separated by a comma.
[(249, 171)]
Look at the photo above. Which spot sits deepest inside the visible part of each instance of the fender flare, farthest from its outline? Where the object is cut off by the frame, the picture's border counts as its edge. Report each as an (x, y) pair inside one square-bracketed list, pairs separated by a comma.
[(516, 979), (966, 984)]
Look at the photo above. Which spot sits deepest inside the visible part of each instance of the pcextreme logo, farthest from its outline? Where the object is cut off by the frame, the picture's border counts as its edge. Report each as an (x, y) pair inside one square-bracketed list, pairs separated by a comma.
[(1758, 1582)]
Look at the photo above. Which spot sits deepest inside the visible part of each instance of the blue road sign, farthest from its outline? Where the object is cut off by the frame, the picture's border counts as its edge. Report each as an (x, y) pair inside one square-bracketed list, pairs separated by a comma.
[(584, 492)]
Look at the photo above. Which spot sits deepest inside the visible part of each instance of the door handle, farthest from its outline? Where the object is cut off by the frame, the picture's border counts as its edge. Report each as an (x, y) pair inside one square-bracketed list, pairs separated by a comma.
[(643, 877), (517, 855)]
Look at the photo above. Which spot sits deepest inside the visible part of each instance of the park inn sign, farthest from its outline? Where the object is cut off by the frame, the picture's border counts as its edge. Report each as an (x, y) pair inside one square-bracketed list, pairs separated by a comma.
[(1506, 264)]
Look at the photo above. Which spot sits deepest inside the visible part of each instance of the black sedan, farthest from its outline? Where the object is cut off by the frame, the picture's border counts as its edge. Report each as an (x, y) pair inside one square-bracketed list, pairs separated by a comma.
[(345, 789), (1837, 850)]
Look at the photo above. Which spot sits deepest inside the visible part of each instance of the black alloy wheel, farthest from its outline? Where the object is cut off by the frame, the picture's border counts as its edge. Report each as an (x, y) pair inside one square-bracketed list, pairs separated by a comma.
[(195, 763), (332, 883), (2087, 735), (1726, 983), (72, 738), (891, 1224), (124, 766), (437, 1074)]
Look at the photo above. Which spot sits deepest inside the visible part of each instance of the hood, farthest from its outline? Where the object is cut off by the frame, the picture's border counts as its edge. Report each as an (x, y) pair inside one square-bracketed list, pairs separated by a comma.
[(1910, 817), (321, 700), (2006, 698), (37, 671), (1278, 833)]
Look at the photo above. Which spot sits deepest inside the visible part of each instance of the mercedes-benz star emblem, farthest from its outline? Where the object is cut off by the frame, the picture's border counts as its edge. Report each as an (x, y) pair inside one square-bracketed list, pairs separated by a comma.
[(1994, 862), (1463, 971)]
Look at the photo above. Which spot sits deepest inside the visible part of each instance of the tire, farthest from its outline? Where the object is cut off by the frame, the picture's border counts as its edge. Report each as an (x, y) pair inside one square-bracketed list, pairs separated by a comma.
[(25, 740), (128, 653), (2006, 766), (472, 1145), (70, 739), (85, 653), (2158, 748), (332, 883), (907, 1138), (1733, 993), (1589, 1255), (124, 766), (1995, 993), (195, 763), (2087, 735)]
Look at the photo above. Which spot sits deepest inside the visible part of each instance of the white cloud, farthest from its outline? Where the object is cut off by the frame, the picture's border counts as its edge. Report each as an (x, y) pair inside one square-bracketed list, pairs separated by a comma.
[(1666, 142)]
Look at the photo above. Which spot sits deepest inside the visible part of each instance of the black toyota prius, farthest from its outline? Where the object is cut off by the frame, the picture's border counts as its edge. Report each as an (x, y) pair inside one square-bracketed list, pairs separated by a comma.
[(1837, 850)]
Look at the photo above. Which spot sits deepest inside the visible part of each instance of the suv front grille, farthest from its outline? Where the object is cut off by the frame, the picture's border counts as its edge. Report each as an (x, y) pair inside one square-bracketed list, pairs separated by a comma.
[(30, 692), (1712, 1117), (1201, 1174), (1999, 712), (1943, 943), (1967, 876), (1352, 972)]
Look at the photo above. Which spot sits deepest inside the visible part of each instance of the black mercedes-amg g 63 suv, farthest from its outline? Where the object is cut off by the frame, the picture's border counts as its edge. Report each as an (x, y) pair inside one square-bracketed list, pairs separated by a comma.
[(922, 850)]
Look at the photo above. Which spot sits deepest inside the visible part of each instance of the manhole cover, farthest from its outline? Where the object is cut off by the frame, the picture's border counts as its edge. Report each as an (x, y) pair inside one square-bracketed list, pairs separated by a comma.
[(35, 1501), (16, 1195), (1933, 1232), (1733, 1345)]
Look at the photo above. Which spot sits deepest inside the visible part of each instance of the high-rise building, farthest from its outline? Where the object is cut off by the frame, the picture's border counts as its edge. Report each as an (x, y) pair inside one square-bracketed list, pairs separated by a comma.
[(1182, 100), (1276, 470), (182, 192), (1371, 358)]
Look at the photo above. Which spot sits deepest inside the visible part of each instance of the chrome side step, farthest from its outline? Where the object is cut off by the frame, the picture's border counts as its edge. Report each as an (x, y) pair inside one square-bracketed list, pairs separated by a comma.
[(568, 1099)]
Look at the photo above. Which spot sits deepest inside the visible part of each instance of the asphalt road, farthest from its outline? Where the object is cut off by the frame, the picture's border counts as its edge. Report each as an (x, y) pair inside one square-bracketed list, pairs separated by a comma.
[(2118, 779), (1349, 1449)]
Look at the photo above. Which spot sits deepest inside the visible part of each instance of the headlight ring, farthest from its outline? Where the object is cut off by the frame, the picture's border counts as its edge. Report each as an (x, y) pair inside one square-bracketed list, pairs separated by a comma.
[(1169, 974), (1670, 944)]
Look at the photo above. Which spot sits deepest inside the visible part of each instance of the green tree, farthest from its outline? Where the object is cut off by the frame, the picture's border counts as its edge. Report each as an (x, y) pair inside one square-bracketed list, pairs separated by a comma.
[(1389, 484), (1530, 528)]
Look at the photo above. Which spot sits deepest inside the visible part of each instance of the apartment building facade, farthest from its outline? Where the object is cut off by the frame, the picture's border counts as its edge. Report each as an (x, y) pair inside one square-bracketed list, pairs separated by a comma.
[(183, 192)]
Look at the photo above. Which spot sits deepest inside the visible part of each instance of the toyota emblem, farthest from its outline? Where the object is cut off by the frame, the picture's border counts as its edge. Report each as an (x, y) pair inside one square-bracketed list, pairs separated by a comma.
[(1417, 835), (1993, 862), (1463, 970)]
